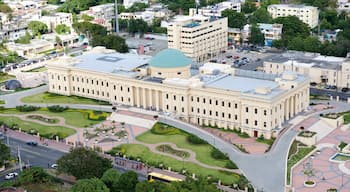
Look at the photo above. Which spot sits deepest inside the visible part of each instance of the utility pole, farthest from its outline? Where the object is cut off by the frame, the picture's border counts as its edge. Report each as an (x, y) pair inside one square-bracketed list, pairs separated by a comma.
[(19, 158), (116, 17)]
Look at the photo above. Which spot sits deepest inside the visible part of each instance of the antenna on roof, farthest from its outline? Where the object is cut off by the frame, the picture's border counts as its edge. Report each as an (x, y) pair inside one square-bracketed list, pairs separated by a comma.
[(116, 17)]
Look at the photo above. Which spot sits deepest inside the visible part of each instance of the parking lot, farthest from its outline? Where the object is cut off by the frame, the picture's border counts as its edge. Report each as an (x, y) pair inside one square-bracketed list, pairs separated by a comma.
[(152, 47)]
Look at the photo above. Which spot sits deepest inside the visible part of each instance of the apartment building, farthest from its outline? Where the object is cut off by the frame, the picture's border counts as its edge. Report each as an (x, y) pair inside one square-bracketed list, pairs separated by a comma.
[(327, 70), (57, 19), (307, 14), (254, 102), (217, 9), (102, 14), (199, 37)]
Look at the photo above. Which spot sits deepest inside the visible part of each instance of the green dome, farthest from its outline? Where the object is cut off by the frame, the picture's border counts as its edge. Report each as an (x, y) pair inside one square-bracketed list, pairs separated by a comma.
[(170, 58)]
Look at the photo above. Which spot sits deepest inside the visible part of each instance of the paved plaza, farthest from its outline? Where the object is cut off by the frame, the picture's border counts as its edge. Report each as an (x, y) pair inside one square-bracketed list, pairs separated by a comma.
[(327, 174)]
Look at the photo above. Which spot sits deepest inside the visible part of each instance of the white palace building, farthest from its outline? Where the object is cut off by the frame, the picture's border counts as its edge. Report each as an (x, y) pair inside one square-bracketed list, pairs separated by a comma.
[(255, 102)]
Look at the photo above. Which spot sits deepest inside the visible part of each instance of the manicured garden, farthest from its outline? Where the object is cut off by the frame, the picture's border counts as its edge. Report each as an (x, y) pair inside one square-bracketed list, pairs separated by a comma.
[(161, 133), (144, 154), (55, 98), (172, 151), (73, 117), (33, 128), (297, 152)]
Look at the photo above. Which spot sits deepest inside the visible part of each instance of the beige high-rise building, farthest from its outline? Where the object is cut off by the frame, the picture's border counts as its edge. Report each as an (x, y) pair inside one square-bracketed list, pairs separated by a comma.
[(328, 70), (254, 102), (307, 14), (199, 37)]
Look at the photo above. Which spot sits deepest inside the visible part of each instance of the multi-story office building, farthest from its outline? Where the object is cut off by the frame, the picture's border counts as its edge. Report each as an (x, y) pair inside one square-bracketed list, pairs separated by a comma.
[(255, 102), (199, 37), (321, 69), (307, 14), (270, 31)]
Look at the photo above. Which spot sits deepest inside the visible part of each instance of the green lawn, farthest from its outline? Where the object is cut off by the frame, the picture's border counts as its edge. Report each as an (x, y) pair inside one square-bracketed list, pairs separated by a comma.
[(203, 151), (44, 130), (40, 69), (73, 117), (295, 156), (55, 98), (5, 77), (142, 152), (2, 102)]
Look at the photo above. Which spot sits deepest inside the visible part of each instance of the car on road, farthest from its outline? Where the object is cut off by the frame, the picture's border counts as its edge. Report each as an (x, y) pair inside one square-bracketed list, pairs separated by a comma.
[(229, 56), (32, 143), (313, 83), (327, 87), (345, 89), (54, 166), (333, 87), (236, 57), (213, 61), (11, 175)]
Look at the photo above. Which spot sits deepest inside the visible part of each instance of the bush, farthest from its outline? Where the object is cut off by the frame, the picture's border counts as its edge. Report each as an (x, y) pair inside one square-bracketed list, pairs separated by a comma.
[(195, 140), (216, 154), (27, 108), (231, 165), (164, 129), (56, 108), (97, 115), (342, 145)]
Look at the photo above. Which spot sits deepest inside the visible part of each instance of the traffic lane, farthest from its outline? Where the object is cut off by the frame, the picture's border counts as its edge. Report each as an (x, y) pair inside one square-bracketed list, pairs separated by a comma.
[(35, 155), (342, 95)]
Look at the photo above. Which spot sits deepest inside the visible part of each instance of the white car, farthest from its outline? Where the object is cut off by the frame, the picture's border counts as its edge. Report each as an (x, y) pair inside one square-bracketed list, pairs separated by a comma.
[(11, 175), (54, 166)]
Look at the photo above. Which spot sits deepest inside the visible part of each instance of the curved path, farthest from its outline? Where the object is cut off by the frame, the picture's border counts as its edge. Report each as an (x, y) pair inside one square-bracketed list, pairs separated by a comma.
[(265, 171), (192, 158)]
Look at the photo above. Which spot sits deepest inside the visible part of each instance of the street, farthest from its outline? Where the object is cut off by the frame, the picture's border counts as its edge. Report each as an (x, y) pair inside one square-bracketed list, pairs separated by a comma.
[(342, 95)]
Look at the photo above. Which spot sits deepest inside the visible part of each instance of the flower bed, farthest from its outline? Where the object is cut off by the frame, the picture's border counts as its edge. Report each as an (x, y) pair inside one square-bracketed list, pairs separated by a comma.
[(170, 150), (43, 119), (309, 183), (307, 134)]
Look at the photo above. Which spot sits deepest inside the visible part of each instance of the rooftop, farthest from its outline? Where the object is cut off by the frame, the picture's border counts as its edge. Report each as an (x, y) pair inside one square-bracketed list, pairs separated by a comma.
[(291, 6), (170, 58)]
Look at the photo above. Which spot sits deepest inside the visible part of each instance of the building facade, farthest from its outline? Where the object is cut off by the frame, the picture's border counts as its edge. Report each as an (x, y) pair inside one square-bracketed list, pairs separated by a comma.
[(102, 14), (217, 9), (57, 19), (199, 37), (254, 102), (327, 70), (307, 14), (128, 3)]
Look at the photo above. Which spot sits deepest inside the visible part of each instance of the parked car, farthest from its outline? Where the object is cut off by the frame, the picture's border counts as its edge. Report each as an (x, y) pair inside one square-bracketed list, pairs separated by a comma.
[(32, 143), (229, 56), (345, 89), (213, 61), (11, 175), (333, 87), (54, 166), (327, 87), (313, 83), (236, 57)]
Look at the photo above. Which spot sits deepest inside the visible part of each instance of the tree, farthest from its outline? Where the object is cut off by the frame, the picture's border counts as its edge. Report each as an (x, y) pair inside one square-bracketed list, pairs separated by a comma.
[(127, 182), (25, 39), (62, 29), (4, 8), (260, 16), (278, 44), (35, 175), (54, 2), (89, 185), (312, 44), (137, 7), (58, 41), (111, 42), (249, 6), (297, 43), (256, 37), (37, 27), (89, 29), (87, 18), (5, 154), (137, 26), (293, 26), (235, 20), (111, 178), (83, 163)]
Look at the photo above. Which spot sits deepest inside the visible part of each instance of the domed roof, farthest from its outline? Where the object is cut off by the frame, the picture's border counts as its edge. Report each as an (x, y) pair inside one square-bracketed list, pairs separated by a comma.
[(12, 84), (170, 58)]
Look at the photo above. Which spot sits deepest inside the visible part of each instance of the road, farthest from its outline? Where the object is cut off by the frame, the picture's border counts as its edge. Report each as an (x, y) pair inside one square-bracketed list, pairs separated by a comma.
[(342, 95)]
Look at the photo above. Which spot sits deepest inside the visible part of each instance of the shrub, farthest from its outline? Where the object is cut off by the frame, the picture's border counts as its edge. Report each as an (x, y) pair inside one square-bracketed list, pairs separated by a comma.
[(195, 140), (27, 108), (56, 108), (164, 129), (216, 154), (342, 145), (97, 115), (231, 165)]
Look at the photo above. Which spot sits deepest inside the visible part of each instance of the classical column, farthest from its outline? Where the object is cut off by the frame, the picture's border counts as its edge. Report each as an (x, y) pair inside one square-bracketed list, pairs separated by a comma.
[(292, 107), (138, 97), (150, 95), (157, 100), (144, 99)]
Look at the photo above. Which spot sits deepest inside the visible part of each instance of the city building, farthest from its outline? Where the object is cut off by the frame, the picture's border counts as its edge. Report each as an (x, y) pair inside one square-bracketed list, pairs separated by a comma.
[(102, 14), (328, 70), (128, 3), (58, 18), (229, 98), (217, 9), (234, 35), (344, 7), (307, 14), (199, 37), (13, 32), (270, 31), (35, 47)]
